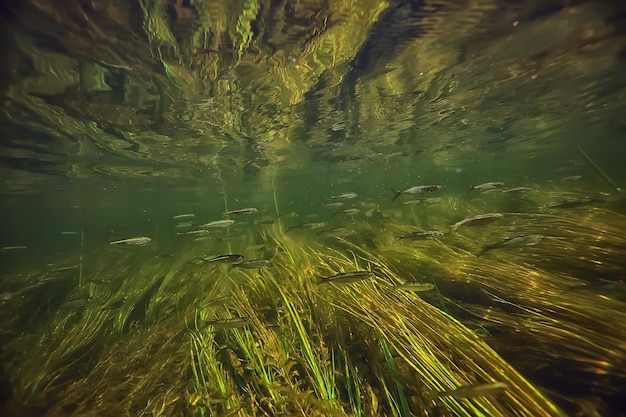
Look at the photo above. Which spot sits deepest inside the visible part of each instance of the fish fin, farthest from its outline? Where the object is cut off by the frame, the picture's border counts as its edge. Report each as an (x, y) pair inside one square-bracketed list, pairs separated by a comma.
[(485, 249), (396, 194), (432, 395)]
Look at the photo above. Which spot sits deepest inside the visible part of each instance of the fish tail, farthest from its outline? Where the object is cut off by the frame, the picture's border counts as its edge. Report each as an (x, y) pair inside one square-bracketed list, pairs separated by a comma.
[(432, 395), (396, 194), (471, 188), (485, 249)]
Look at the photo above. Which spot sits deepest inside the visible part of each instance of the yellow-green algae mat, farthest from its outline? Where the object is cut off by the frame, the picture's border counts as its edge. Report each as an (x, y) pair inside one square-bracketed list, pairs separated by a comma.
[(308, 349)]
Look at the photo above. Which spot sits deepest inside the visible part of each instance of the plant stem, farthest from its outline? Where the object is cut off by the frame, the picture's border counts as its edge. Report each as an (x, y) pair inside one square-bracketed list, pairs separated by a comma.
[(280, 226), (80, 262), (600, 171), (156, 235)]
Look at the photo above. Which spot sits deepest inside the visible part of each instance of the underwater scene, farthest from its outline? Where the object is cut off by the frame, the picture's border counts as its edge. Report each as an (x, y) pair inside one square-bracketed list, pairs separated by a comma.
[(313, 208)]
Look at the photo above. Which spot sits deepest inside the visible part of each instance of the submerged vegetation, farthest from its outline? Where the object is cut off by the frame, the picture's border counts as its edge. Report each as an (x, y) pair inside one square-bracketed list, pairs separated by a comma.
[(512, 332)]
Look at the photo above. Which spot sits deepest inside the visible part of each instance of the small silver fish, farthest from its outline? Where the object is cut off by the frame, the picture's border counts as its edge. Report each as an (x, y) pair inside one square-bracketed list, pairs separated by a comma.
[(184, 216), (183, 225), (344, 196), (7, 295), (67, 268), (230, 323), (243, 211), (75, 303), (412, 202), (290, 215), (218, 224), (517, 190), (132, 241), (477, 220), (231, 258), (336, 232), (516, 242), (347, 212), (416, 190), (257, 247), (45, 280), (422, 235), (11, 248), (580, 202), (307, 226), (349, 277), (476, 390), (486, 186), (415, 287), (605, 288), (333, 205), (195, 233)]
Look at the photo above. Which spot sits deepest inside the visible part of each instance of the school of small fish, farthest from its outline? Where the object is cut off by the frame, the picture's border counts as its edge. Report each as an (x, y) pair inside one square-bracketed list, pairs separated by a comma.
[(339, 208)]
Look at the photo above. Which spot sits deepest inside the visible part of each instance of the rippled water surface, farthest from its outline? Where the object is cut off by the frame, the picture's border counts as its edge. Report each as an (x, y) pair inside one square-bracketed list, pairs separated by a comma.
[(128, 128)]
